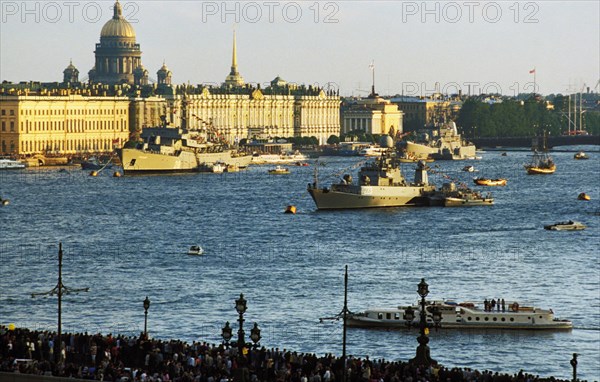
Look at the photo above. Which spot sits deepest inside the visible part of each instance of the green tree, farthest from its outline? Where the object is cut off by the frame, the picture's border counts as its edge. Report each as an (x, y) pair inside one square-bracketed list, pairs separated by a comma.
[(333, 140)]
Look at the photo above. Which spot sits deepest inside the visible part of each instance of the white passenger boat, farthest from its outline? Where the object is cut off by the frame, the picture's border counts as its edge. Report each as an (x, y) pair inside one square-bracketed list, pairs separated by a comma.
[(462, 316), (287, 157), (9, 164)]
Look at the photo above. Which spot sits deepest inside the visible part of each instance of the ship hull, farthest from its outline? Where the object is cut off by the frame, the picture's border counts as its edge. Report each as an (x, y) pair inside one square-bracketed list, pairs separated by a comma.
[(460, 202), (370, 197), (143, 162), (448, 151), (363, 322), (540, 170)]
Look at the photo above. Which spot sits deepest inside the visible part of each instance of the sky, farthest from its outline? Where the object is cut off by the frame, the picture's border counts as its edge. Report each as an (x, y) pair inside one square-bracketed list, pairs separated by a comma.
[(417, 47)]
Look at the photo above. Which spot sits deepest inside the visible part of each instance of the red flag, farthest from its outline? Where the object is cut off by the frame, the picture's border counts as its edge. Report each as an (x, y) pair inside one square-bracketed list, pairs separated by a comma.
[(532, 71)]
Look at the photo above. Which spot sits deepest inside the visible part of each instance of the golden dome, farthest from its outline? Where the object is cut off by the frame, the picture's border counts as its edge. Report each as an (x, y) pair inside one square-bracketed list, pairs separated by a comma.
[(117, 26)]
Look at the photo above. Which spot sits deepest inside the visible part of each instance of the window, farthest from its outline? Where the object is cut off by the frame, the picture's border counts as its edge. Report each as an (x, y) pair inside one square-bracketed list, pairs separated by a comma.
[(487, 318), (3, 125), (512, 319), (388, 316), (380, 316), (476, 318), (469, 318), (503, 319), (12, 125), (495, 319), (3, 112)]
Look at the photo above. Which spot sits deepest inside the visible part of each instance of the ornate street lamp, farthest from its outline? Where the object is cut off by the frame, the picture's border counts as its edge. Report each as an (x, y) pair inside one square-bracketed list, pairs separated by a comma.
[(255, 334), (409, 316), (226, 333), (146, 307), (240, 306), (423, 358)]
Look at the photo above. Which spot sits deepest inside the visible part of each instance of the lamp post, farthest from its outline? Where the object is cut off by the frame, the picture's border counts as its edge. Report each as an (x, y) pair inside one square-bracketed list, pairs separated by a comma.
[(146, 307), (60, 289), (240, 307), (574, 365), (241, 374), (422, 357)]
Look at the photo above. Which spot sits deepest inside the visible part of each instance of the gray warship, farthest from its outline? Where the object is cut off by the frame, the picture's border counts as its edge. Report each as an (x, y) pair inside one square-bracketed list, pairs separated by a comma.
[(442, 142), (168, 149), (380, 184)]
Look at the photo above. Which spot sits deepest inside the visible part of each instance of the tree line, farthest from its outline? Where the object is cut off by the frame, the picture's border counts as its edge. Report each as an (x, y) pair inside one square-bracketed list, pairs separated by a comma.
[(521, 118)]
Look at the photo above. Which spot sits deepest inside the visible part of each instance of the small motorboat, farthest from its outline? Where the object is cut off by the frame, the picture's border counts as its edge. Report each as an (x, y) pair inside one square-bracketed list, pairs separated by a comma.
[(196, 250), (490, 182), (581, 155), (469, 169), (279, 171), (217, 168), (566, 226), (583, 196), (504, 154), (302, 164)]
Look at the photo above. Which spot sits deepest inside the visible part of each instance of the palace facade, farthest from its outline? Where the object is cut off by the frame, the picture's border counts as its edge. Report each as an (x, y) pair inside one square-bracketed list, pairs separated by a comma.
[(371, 115), (62, 124), (119, 100)]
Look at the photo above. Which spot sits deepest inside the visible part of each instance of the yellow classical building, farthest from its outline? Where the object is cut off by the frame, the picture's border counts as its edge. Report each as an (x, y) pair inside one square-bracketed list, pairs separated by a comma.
[(372, 115), (71, 124), (118, 102), (420, 112), (306, 113)]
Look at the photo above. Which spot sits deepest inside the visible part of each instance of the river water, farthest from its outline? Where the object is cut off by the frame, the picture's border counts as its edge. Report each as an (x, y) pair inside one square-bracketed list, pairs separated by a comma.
[(127, 238)]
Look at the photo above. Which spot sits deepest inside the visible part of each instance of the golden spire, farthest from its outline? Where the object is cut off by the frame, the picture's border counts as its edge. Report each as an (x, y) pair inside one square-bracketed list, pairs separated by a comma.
[(234, 78), (118, 11), (234, 56)]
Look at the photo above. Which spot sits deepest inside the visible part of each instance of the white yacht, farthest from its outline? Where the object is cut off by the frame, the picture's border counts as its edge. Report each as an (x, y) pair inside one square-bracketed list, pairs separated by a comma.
[(462, 316), (9, 164)]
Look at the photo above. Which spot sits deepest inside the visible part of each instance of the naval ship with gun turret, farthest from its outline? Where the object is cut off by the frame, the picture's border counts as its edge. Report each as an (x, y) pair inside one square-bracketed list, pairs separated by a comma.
[(380, 184), (169, 149), (441, 142)]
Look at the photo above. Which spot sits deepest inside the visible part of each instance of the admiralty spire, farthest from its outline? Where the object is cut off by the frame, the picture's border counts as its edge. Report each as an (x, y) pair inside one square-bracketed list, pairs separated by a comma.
[(117, 54), (234, 78)]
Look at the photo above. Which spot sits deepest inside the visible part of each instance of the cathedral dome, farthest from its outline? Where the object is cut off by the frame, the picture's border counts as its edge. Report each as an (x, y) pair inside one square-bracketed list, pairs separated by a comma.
[(117, 26)]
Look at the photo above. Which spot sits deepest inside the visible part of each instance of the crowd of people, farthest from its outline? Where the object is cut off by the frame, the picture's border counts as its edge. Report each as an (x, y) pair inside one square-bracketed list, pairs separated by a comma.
[(128, 359)]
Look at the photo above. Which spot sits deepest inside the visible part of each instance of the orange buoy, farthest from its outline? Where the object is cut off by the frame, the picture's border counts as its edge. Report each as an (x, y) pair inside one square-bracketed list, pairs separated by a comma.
[(117, 174), (94, 173), (4, 202), (583, 196), (290, 210)]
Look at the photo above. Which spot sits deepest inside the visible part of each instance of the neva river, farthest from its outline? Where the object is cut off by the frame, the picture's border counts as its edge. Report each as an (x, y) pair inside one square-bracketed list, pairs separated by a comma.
[(127, 238)]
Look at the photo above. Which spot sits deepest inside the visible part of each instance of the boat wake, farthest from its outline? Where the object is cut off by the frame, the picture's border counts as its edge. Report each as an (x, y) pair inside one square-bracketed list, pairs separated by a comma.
[(589, 328)]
